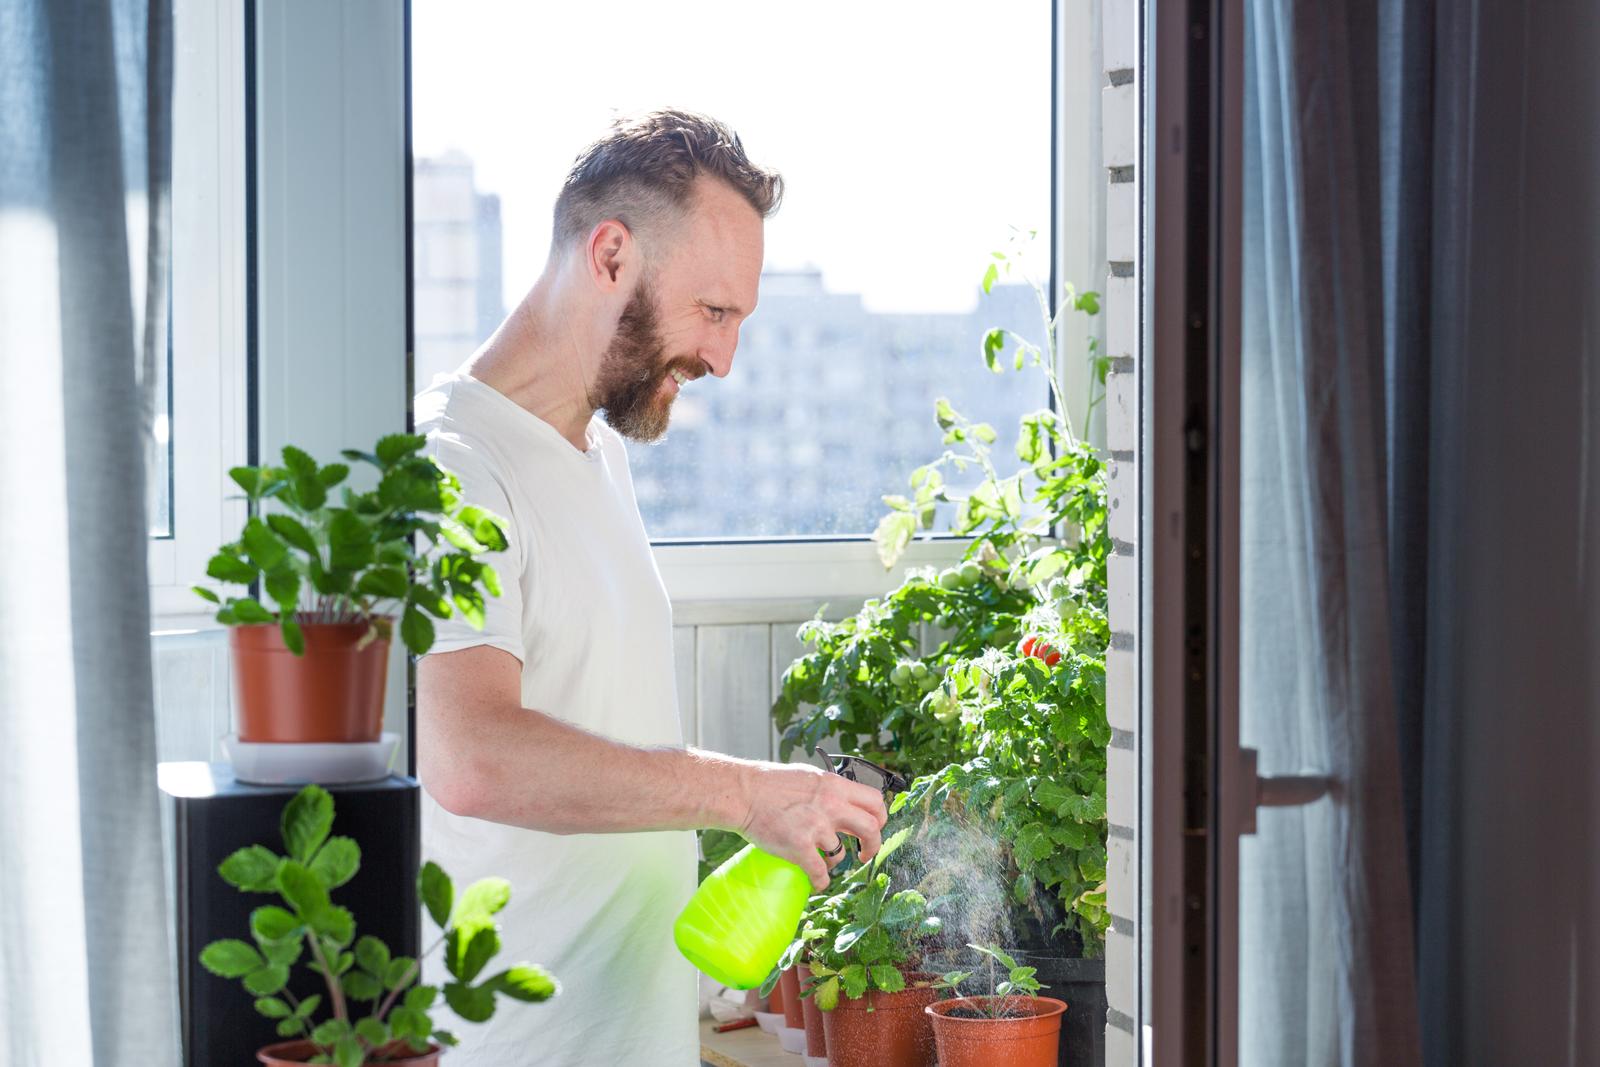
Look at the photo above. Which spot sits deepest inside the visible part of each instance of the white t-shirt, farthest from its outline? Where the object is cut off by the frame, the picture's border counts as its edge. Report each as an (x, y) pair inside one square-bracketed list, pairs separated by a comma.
[(583, 607)]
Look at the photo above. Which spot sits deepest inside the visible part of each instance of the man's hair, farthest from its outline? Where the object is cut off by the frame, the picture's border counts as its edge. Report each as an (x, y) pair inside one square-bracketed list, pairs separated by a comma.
[(643, 173)]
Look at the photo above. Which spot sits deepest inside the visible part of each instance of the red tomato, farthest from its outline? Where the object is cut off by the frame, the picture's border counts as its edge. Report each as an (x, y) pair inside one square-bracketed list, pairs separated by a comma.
[(1026, 647)]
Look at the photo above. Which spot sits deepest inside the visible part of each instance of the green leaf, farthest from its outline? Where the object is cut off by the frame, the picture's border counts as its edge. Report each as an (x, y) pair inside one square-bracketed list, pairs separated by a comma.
[(993, 343), (887, 978), (485, 527), (337, 861), (416, 630), (375, 1032), (290, 1027), (205, 594), (362, 986), (332, 475), (226, 568), (253, 869), (526, 982), (893, 534), (230, 958), (372, 956), (249, 610), (468, 949), (349, 541), (437, 893), (293, 532), (248, 479), (990, 276), (330, 1031), (396, 446), (285, 953), (827, 994), (273, 1008), (1001, 957), (421, 998), (446, 1038), (475, 1004), (283, 586), (1032, 843), (307, 818), (298, 463), (334, 922), (854, 978), (294, 639), (904, 908), (308, 1005), (399, 972), (268, 980), (347, 1052), (303, 890), (272, 923), (404, 1021), (265, 549), (391, 582)]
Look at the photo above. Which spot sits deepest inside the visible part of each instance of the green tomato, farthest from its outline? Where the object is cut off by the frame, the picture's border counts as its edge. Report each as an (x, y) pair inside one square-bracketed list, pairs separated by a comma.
[(970, 573), (919, 671), (950, 579), (944, 708), (901, 675)]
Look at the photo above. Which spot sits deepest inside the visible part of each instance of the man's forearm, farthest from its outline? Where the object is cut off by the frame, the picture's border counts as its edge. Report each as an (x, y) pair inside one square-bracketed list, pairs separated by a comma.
[(525, 768)]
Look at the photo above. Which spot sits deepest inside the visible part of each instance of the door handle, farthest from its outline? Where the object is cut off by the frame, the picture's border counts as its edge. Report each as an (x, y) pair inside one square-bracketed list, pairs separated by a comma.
[(1275, 791)]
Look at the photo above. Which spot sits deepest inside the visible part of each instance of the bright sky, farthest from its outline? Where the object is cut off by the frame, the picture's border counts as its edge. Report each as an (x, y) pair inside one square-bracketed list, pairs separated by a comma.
[(912, 134)]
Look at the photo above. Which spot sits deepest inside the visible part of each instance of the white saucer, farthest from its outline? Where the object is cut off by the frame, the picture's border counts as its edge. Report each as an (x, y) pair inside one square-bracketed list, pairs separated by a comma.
[(793, 1039), (268, 763), (769, 1021)]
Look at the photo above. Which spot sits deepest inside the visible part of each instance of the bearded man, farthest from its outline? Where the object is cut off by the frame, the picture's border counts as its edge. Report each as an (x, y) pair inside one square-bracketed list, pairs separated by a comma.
[(549, 744)]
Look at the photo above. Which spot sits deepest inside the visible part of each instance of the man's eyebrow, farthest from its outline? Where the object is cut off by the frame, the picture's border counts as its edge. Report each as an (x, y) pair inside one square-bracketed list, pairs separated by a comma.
[(731, 308)]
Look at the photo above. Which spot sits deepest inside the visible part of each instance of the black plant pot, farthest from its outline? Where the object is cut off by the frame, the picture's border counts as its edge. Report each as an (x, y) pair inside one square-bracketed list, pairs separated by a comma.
[(1066, 975)]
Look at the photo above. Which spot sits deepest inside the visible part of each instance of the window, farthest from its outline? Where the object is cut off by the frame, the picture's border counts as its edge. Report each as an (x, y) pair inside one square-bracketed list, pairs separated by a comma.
[(912, 146), (200, 391)]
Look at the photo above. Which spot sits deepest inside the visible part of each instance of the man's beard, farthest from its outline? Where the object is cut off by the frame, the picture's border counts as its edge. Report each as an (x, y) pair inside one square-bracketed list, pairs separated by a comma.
[(628, 386)]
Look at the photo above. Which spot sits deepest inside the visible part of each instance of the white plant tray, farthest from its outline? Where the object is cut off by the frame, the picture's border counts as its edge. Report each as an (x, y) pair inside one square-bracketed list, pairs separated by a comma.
[(267, 763), (793, 1039), (769, 1021)]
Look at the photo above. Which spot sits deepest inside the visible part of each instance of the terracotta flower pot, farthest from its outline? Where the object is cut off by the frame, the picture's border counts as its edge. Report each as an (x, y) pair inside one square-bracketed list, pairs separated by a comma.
[(1028, 1040), (816, 1038), (897, 1032), (775, 998), (296, 1053), (332, 693), (793, 1012)]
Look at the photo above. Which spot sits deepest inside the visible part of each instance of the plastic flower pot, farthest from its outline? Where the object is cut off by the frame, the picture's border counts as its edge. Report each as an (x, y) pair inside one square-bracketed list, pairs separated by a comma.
[(793, 1011), (334, 692), (897, 1032), (816, 1039), (1026, 1038), (298, 1053)]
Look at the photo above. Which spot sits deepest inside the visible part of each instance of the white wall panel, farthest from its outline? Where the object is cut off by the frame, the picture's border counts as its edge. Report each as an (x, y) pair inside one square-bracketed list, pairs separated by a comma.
[(733, 684)]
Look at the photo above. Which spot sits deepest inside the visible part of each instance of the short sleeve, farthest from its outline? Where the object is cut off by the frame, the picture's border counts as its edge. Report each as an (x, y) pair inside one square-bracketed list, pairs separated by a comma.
[(482, 485)]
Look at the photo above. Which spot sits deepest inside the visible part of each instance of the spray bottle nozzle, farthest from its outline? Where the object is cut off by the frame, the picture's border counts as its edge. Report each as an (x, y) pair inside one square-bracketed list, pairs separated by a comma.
[(850, 766)]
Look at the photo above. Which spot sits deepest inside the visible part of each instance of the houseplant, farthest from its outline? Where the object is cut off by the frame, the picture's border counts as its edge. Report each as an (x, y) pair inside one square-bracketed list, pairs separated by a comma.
[(985, 681), (1015, 731), (1010, 1026), (396, 1028), (311, 666), (862, 945)]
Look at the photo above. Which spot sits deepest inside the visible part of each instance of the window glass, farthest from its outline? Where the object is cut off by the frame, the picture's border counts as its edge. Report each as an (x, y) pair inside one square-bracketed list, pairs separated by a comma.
[(914, 140)]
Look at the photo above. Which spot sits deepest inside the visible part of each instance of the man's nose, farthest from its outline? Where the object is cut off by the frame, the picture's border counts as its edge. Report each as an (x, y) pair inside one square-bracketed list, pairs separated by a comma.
[(718, 355)]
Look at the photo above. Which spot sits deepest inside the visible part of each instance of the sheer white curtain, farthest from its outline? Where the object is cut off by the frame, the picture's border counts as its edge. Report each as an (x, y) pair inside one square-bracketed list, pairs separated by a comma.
[(1326, 957), (85, 970)]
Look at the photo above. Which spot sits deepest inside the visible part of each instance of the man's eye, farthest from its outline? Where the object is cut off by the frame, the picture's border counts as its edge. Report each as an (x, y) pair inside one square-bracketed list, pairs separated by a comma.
[(716, 313)]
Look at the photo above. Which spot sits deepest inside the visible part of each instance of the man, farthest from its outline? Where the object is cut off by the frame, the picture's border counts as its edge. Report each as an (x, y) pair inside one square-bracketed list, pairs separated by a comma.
[(549, 744)]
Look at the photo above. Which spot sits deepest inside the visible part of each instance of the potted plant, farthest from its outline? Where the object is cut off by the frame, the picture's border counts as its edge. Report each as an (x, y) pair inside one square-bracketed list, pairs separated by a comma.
[(1002, 716), (311, 666), (861, 944), (392, 1024), (1011, 1026)]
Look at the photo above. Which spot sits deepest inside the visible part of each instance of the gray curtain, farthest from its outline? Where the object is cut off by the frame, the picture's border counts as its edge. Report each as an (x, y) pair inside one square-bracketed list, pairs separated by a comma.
[(86, 974), (1326, 962), (1422, 468)]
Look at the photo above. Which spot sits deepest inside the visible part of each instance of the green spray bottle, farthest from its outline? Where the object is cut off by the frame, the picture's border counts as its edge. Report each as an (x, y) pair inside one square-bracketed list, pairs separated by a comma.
[(746, 912)]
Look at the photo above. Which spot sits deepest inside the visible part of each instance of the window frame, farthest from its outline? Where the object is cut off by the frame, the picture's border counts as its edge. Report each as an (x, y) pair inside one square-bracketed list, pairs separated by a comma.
[(209, 317)]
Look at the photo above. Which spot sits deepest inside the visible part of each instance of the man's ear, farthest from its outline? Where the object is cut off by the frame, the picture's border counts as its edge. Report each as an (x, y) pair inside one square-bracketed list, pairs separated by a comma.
[(609, 254)]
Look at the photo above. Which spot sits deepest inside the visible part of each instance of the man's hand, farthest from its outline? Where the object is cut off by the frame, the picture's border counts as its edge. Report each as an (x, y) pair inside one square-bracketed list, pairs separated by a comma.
[(795, 810)]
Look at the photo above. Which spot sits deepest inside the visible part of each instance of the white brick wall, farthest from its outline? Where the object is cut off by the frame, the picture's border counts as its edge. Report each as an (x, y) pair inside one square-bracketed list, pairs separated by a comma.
[(1120, 151)]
